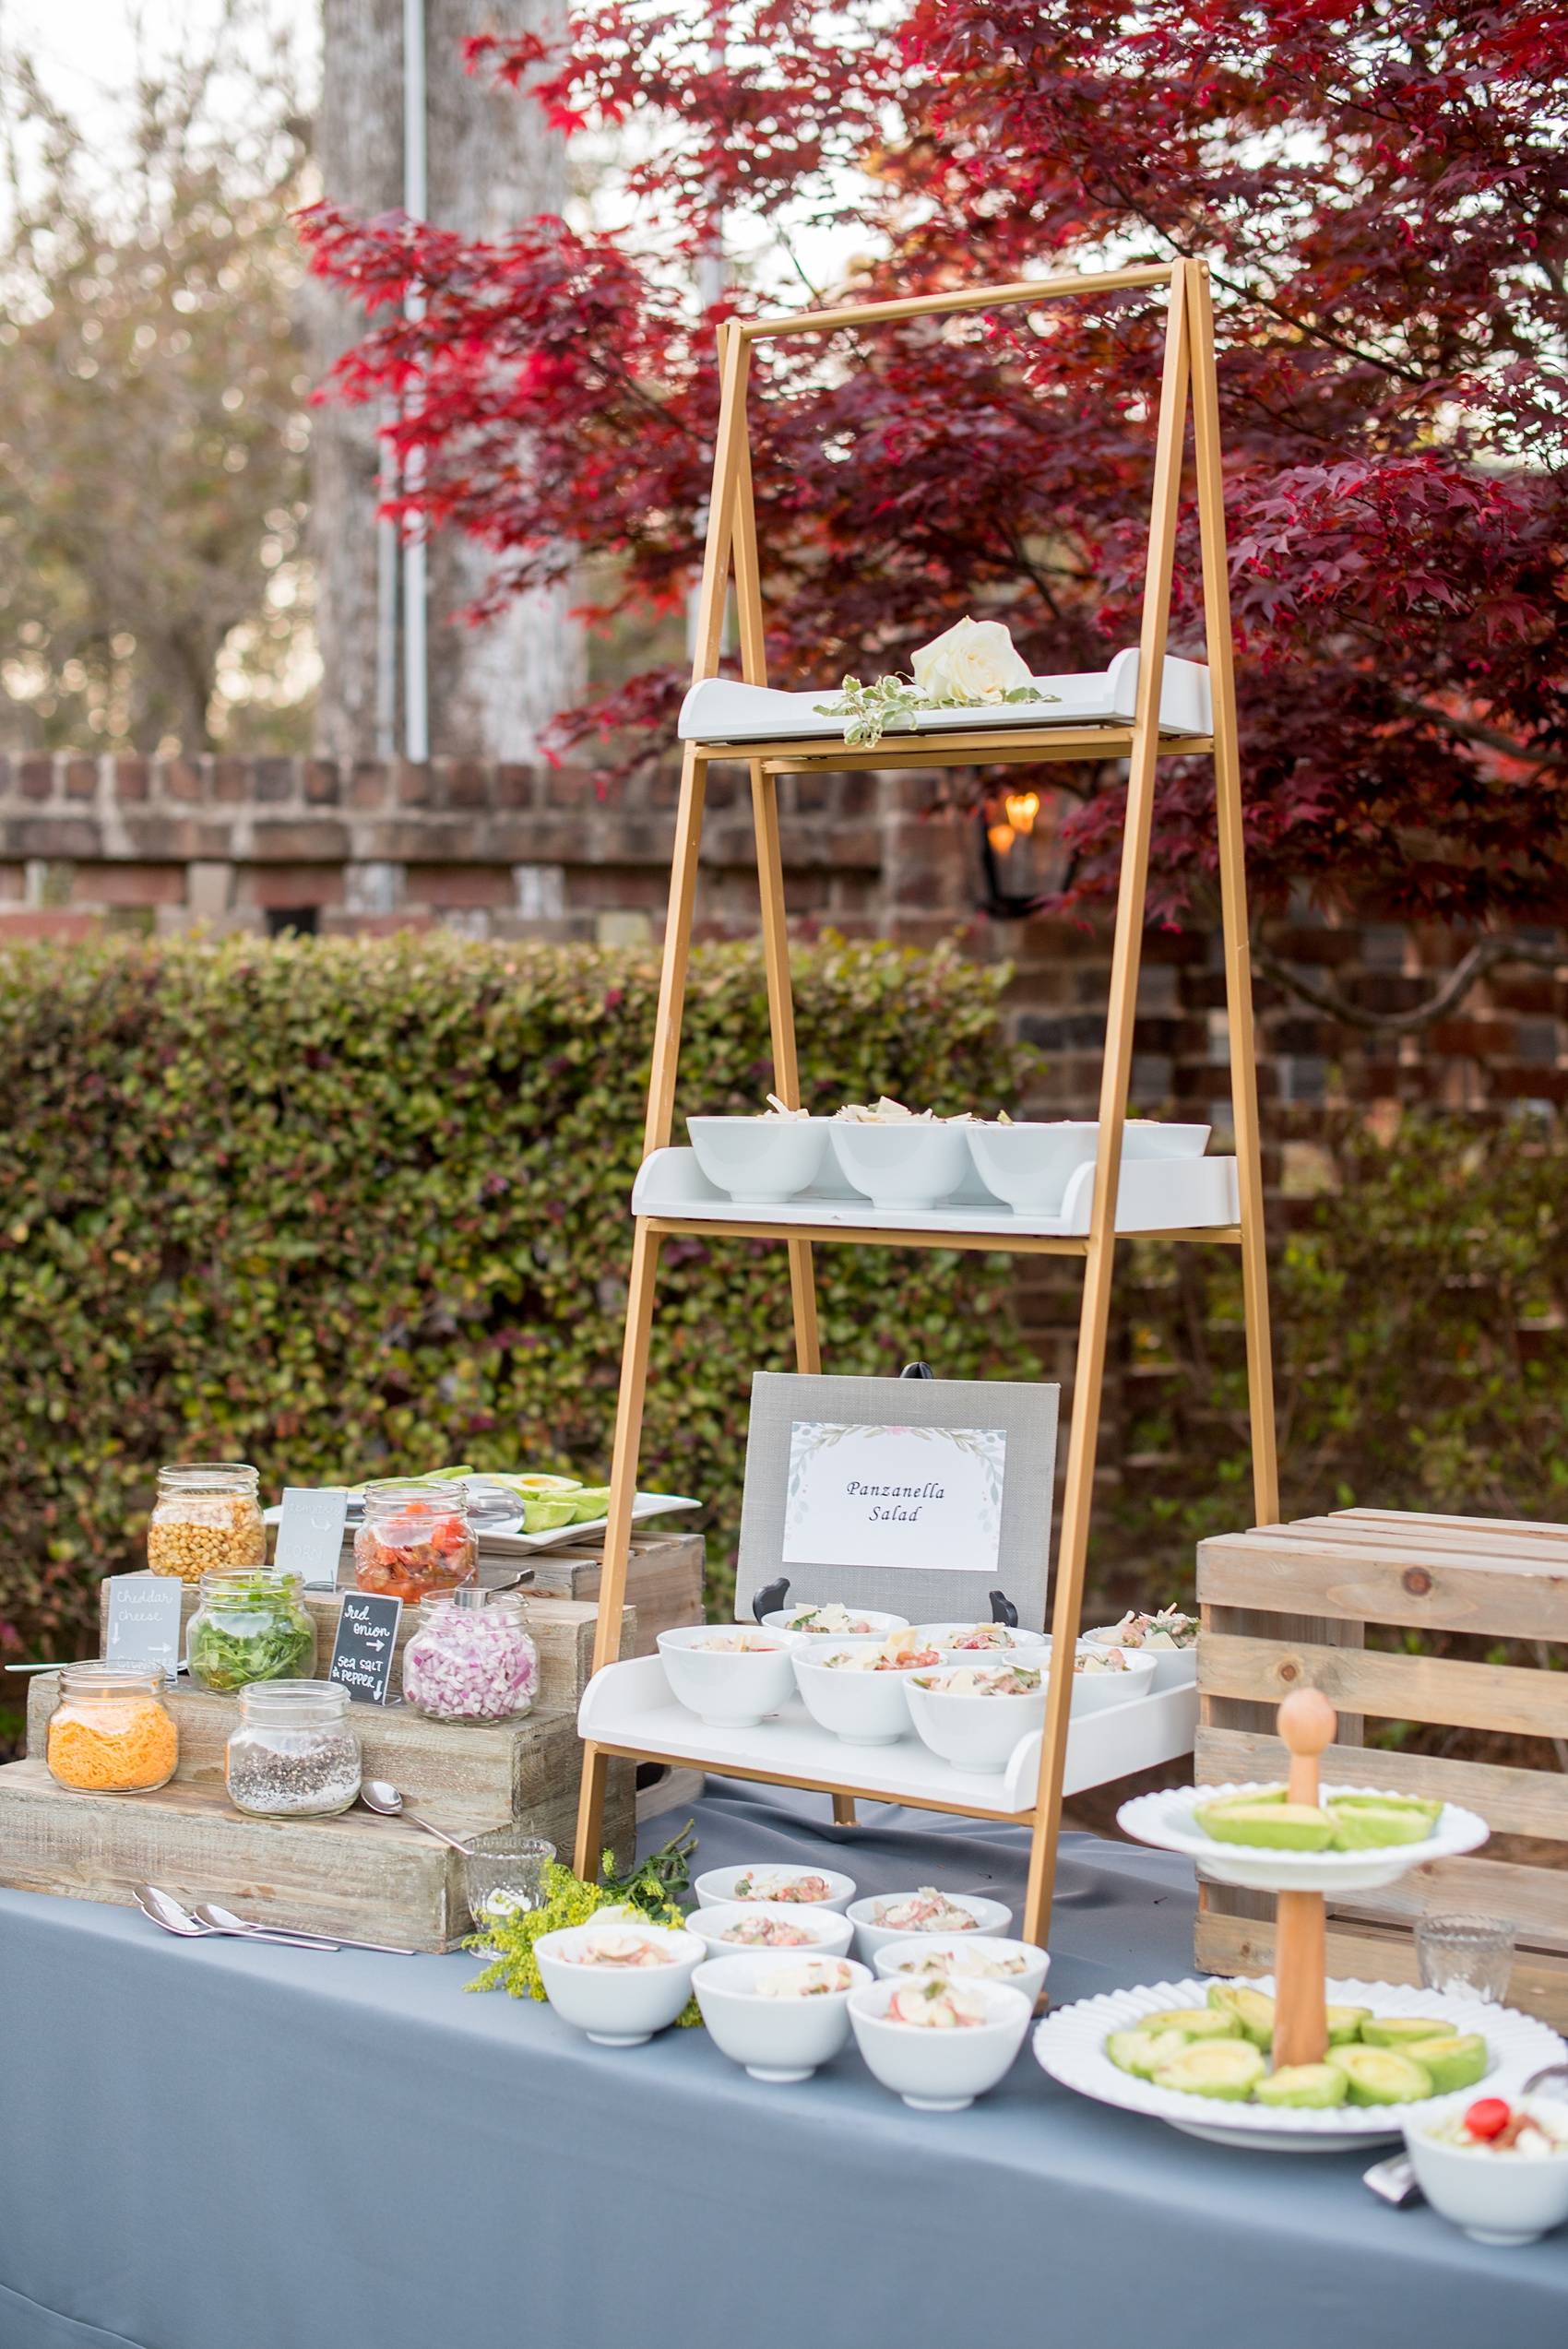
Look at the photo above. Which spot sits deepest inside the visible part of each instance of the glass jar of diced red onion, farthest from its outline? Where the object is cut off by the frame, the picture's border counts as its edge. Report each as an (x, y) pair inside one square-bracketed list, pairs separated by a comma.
[(471, 1658)]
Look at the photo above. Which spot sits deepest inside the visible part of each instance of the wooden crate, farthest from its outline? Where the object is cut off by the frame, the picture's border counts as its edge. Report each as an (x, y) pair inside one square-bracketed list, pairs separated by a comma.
[(1286, 1607), (664, 1579), (381, 1880)]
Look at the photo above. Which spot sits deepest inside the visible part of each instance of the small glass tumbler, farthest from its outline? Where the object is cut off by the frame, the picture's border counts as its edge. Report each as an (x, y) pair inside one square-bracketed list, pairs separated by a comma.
[(1465, 1954), (506, 1875)]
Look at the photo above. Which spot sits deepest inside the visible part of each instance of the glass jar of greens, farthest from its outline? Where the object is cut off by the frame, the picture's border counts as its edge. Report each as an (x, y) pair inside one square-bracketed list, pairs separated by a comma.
[(250, 1627)]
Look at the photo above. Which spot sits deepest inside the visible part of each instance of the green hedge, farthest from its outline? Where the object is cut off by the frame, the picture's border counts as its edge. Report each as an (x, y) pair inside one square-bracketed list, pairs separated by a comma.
[(340, 1208)]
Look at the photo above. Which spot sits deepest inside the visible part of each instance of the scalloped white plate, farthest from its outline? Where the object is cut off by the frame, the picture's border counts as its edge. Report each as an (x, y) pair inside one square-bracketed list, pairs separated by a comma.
[(1070, 2045), (1167, 1819)]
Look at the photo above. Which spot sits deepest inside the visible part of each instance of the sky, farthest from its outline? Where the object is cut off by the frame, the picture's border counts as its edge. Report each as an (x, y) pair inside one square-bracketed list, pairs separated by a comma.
[(87, 50)]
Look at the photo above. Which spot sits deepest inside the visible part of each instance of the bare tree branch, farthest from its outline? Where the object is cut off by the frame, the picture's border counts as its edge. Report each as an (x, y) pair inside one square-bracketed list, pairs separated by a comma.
[(1483, 957)]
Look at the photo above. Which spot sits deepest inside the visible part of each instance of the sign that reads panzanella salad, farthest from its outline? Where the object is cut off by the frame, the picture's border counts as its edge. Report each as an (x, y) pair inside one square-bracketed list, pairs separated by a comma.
[(921, 1497)]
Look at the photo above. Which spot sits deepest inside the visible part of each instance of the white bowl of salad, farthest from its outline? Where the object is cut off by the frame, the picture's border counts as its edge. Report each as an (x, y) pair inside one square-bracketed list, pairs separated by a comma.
[(1498, 2169), (617, 1978), (967, 1957), (731, 1676), (937, 2043), (785, 1927), (1107, 1676), (856, 1687), (885, 1918), (778, 2012), (985, 1642), (776, 1881), (1170, 1636), (973, 1715), (835, 1622)]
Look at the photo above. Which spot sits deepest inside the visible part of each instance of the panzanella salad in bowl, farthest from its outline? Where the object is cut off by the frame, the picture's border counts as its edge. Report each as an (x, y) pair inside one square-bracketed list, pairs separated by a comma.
[(857, 1692), (894, 1916)]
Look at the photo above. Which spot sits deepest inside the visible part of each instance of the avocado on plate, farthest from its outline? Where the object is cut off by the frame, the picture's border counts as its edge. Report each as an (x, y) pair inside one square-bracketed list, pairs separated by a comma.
[(1382, 2076), (1253, 2009), (1311, 2086), (1269, 1825), (1456, 2060), (1198, 2023), (1143, 2052), (1227, 2068)]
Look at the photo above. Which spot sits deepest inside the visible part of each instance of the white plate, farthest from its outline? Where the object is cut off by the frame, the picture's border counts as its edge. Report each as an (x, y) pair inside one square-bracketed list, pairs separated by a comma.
[(644, 1504), (1167, 1819), (1070, 2045)]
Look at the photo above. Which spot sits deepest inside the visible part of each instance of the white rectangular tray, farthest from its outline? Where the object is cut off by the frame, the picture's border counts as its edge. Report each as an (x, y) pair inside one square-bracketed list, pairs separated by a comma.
[(629, 1705), (722, 709), (1155, 1195)]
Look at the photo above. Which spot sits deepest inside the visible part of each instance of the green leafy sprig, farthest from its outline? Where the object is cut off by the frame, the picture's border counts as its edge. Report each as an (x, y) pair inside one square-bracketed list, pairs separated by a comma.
[(892, 705), (648, 1890)]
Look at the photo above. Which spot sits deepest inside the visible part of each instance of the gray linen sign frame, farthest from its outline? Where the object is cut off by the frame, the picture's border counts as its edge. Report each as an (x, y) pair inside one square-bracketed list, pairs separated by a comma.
[(1027, 1413)]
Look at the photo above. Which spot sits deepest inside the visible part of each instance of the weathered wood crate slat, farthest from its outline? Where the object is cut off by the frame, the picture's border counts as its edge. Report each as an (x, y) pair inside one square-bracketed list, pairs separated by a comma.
[(1371, 1566)]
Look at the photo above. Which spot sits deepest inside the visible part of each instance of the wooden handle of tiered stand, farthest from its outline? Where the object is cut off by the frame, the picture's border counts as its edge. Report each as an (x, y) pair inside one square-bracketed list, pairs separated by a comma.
[(1307, 1724)]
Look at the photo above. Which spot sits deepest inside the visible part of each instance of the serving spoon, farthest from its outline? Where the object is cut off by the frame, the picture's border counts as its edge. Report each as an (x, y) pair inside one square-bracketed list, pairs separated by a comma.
[(223, 1920), (164, 1910), (380, 1795)]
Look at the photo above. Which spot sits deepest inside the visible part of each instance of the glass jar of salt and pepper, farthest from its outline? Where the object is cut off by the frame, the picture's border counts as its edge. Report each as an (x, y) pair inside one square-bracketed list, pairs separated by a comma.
[(294, 1754)]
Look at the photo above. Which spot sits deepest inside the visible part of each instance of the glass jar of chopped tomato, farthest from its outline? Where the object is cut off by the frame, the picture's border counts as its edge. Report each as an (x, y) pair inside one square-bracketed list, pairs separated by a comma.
[(415, 1538)]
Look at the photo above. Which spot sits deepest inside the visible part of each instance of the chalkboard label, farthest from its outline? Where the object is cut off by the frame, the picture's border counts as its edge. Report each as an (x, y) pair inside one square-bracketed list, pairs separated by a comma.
[(144, 1620), (361, 1653), (310, 1536)]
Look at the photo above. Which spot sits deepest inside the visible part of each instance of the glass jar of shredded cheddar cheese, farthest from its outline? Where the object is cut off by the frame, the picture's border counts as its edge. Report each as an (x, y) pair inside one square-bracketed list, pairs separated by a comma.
[(207, 1520), (109, 1734)]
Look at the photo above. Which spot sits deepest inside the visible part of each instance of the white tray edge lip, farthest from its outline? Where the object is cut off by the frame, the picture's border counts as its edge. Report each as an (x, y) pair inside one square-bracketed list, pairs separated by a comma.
[(1148, 1817), (1068, 2046)]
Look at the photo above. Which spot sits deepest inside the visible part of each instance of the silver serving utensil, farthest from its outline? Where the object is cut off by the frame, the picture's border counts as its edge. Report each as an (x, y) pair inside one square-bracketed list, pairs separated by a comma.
[(224, 1921), (1394, 2180), (380, 1795), (164, 1910)]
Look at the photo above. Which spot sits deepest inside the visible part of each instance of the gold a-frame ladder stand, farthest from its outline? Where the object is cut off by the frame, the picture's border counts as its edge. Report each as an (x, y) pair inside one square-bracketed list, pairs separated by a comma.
[(1189, 364)]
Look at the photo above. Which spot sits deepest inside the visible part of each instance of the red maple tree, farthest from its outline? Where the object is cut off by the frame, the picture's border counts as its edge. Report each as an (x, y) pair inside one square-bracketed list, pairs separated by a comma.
[(1381, 194)]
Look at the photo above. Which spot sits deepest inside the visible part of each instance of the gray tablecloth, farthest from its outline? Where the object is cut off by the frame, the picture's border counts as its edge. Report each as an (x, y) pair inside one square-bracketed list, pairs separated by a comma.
[(216, 2147)]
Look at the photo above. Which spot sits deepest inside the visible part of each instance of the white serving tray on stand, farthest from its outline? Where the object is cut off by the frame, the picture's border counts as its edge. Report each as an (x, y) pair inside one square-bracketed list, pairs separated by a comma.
[(1155, 1195), (628, 1707)]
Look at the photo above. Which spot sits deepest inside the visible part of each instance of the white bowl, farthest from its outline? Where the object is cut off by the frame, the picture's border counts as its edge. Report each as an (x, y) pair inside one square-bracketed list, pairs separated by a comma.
[(911, 1166), (939, 2071), (776, 2039), (618, 2009), (716, 1889), (861, 1708), (727, 1688), (760, 1161), (880, 1626), (832, 1931), (1148, 1138), (1030, 1166), (1026, 1647), (1496, 2198), (1174, 1667), (990, 1917), (903, 1957), (978, 1734), (1094, 1693)]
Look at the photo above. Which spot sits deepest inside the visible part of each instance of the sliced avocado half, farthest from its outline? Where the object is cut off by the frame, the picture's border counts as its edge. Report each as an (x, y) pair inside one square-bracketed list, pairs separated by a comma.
[(1273, 1826), (1456, 2060), (1402, 2030), (1226, 2067), (1381, 2076), (1372, 1825), (1253, 2009), (1198, 2023), (1313, 2086), (1345, 2024), (1143, 2052)]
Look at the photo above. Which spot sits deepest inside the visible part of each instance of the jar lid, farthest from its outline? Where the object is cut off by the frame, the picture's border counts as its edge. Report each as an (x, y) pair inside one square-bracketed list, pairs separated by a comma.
[(249, 1585), (468, 1597), (209, 1475), (105, 1678), (283, 1703)]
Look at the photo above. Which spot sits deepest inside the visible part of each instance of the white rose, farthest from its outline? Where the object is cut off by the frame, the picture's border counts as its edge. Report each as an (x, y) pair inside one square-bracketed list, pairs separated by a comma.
[(975, 661)]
